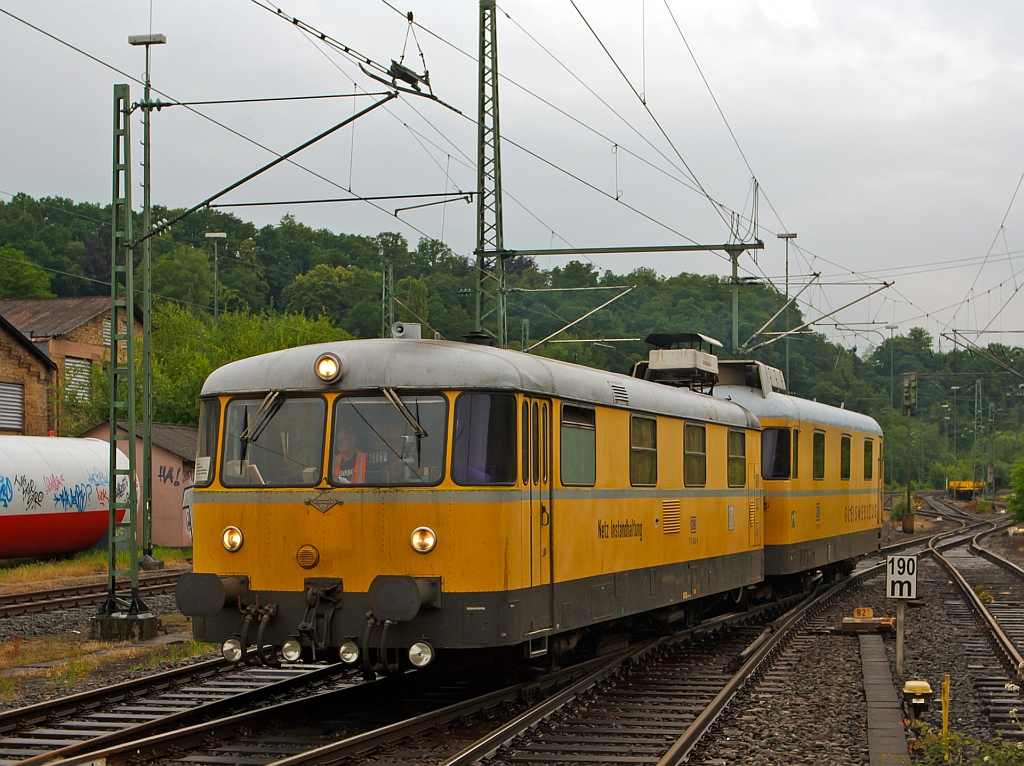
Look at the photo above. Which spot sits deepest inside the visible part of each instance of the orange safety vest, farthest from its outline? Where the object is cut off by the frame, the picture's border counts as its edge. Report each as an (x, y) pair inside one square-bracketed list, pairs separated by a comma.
[(358, 468)]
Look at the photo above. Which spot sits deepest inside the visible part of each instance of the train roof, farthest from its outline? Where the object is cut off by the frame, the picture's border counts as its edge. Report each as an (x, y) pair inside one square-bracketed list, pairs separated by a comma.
[(778, 405), (373, 364)]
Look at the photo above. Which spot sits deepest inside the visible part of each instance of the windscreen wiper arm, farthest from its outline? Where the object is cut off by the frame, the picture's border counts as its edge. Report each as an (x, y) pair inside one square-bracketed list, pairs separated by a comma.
[(393, 397), (271, 403)]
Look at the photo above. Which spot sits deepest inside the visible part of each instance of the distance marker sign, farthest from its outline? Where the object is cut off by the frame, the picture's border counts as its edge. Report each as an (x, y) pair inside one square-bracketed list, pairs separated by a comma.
[(901, 576)]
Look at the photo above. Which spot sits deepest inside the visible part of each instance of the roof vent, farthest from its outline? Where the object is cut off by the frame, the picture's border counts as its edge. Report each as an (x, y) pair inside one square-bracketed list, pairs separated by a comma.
[(619, 394), (751, 374), (681, 359)]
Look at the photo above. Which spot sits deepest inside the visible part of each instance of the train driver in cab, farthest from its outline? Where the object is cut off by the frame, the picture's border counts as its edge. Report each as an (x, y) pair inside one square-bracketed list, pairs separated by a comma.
[(350, 461)]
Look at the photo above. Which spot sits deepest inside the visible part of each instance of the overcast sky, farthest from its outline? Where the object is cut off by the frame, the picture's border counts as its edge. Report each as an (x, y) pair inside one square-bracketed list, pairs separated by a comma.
[(886, 135)]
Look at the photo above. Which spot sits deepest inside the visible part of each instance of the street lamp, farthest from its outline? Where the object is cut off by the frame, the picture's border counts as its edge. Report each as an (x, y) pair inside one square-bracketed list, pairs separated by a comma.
[(956, 430), (216, 235), (148, 561), (787, 236)]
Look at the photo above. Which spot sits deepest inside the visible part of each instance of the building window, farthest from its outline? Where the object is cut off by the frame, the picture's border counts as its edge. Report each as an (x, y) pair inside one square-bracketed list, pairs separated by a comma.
[(695, 458), (869, 448), (643, 451), (844, 458), (737, 459), (775, 451), (106, 332), (819, 454), (78, 377), (12, 407), (579, 446)]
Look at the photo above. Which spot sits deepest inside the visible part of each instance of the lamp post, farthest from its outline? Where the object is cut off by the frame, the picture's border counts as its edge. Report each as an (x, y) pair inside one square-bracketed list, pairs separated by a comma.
[(956, 429), (890, 328), (216, 235), (148, 561), (787, 236)]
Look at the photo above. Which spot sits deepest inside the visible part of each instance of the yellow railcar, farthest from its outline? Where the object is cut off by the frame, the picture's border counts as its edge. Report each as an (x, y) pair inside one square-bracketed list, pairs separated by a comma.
[(822, 471), (421, 495)]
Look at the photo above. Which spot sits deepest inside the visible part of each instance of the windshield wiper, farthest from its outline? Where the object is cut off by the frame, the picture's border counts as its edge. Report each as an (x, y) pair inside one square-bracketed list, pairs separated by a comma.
[(271, 403), (393, 397)]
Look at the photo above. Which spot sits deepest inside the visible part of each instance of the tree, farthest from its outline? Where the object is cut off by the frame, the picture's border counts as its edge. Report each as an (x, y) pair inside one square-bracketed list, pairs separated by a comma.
[(184, 275), (20, 278), (1016, 502)]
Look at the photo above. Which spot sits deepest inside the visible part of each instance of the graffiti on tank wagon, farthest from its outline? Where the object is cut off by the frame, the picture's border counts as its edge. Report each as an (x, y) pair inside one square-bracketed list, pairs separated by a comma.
[(75, 497), (97, 477), (102, 494), (53, 482), (30, 494), (123, 488), (6, 491)]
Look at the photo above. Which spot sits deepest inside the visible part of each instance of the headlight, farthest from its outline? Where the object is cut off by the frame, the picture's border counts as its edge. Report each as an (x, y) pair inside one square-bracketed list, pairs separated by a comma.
[(421, 654), (232, 650), (231, 538), (328, 367), (348, 652), (423, 539), (292, 650)]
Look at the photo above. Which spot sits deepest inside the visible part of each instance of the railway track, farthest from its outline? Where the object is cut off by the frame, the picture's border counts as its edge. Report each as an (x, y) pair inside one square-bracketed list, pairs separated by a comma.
[(135, 709), (33, 602), (993, 593)]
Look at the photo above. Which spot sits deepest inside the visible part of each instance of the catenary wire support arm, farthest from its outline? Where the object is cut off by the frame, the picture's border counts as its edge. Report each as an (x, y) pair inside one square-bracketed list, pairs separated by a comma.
[(577, 321), (824, 316), (277, 161), (756, 245), (958, 339), (776, 315)]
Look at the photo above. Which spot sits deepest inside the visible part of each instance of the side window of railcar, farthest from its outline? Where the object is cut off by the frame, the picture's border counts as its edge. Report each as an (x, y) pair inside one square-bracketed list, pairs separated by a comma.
[(819, 454), (643, 451), (695, 455), (276, 442), (844, 457), (579, 446), (796, 453), (775, 452), (382, 441), (209, 425), (869, 448), (737, 459), (525, 444), (484, 446)]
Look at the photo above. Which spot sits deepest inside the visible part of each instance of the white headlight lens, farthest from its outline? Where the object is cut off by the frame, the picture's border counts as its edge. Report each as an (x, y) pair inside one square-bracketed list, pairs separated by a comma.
[(421, 654), (292, 650), (328, 367), (348, 652), (232, 650), (423, 539), (231, 537)]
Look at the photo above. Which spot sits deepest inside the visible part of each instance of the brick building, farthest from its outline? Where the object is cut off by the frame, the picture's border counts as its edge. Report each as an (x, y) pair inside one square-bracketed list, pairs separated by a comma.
[(174, 464), (26, 374), (73, 332)]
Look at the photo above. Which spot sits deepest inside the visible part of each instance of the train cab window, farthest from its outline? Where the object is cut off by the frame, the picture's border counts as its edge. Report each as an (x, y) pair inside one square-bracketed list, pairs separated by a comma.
[(844, 458), (819, 454), (643, 451), (484, 446), (775, 452), (869, 449), (387, 441), (737, 459), (796, 453), (206, 450), (275, 441), (579, 446), (695, 455)]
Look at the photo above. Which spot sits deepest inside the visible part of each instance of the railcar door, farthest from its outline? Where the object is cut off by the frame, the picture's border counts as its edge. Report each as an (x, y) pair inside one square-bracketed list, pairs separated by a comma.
[(754, 504), (541, 567)]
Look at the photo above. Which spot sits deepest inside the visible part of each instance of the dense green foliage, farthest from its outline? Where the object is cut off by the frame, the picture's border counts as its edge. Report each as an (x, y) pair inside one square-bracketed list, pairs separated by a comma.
[(289, 284)]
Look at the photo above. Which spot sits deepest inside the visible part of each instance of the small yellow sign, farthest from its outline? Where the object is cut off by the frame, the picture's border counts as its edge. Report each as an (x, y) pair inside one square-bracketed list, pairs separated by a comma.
[(863, 613)]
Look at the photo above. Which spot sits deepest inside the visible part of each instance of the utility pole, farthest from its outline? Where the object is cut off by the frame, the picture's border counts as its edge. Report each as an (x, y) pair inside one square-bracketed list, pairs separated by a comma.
[(148, 560), (787, 236), (216, 236), (490, 238), (977, 427), (892, 365), (956, 426), (909, 409), (387, 296)]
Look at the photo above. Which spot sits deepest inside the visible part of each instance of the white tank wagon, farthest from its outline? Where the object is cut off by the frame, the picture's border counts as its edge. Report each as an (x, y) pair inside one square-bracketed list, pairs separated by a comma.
[(54, 494)]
